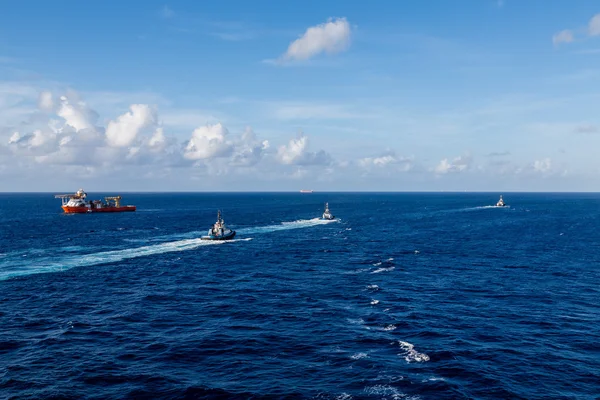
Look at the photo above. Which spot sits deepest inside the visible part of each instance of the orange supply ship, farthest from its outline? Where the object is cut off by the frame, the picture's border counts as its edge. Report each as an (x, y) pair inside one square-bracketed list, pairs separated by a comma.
[(76, 204)]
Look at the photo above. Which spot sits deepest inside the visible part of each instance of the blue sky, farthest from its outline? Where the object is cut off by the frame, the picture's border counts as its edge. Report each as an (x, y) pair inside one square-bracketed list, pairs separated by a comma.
[(235, 95)]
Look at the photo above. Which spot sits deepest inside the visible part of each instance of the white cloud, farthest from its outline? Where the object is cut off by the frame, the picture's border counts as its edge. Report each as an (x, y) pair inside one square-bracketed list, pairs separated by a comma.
[(14, 138), (250, 150), (330, 37), (594, 26), (296, 153), (459, 164), (125, 129), (565, 36), (387, 160), (542, 165), (76, 113), (158, 141), (46, 102), (208, 142)]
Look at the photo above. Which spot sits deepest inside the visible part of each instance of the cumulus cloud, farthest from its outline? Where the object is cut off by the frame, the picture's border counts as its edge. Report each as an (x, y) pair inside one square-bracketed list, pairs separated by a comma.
[(250, 150), (74, 138), (69, 138), (208, 142), (458, 164), (158, 140), (46, 102), (330, 37), (544, 165), (296, 153), (387, 160), (564, 36), (76, 113), (125, 129)]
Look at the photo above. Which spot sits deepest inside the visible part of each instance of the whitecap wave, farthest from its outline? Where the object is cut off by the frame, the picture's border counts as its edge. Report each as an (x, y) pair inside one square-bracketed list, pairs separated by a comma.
[(410, 354), (356, 321), (379, 270), (358, 356), (385, 390)]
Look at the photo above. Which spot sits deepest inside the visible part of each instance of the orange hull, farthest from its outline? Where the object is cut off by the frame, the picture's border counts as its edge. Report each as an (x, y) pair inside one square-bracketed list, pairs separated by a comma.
[(83, 210)]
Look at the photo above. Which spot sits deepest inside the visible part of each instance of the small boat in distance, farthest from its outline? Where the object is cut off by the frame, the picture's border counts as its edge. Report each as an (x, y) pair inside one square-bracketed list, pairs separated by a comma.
[(219, 231), (327, 214), (500, 203), (76, 204), (306, 191)]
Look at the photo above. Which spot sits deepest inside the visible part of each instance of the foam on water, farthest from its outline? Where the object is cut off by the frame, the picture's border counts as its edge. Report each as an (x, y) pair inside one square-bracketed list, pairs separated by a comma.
[(410, 354), (484, 208), (385, 390), (13, 268), (358, 356), (379, 270), (301, 223)]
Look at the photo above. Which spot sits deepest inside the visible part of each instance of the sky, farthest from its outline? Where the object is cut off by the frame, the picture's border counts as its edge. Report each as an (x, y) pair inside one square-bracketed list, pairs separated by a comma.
[(476, 95)]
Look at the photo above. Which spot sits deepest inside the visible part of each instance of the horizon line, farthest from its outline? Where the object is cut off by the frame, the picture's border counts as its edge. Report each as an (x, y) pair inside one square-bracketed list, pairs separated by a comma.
[(298, 192)]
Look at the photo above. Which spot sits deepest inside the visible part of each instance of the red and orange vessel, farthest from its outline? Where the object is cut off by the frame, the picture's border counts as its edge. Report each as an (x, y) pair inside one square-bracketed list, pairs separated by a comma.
[(76, 204)]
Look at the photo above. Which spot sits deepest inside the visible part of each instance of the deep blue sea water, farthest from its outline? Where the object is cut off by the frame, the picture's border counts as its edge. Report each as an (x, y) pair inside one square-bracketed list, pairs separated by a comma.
[(406, 296)]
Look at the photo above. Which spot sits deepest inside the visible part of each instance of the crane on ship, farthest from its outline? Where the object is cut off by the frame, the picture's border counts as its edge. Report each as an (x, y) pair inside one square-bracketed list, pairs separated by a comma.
[(115, 199)]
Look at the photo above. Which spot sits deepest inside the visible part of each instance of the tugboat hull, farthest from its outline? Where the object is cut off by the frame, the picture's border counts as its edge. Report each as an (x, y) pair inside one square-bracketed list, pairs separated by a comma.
[(228, 236)]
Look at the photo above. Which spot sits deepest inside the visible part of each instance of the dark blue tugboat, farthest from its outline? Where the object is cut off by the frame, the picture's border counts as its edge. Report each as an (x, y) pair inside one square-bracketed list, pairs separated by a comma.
[(327, 214), (219, 231), (501, 203)]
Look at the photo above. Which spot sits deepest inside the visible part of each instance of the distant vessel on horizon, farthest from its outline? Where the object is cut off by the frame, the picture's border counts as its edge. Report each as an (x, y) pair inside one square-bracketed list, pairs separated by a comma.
[(76, 204), (306, 191)]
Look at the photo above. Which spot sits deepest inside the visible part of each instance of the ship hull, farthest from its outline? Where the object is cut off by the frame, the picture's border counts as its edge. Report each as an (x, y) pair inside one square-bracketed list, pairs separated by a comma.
[(84, 210), (224, 237)]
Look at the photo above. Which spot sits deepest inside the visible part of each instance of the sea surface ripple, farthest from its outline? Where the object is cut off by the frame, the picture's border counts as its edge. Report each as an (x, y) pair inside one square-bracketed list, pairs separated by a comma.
[(405, 296)]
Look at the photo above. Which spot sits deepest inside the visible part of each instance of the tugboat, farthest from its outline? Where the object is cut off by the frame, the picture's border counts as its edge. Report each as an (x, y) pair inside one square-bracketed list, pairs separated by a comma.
[(76, 204), (327, 214), (219, 231), (500, 203)]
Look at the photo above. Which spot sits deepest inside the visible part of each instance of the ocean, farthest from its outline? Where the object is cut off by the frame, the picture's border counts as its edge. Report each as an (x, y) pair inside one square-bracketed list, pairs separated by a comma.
[(404, 296)]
